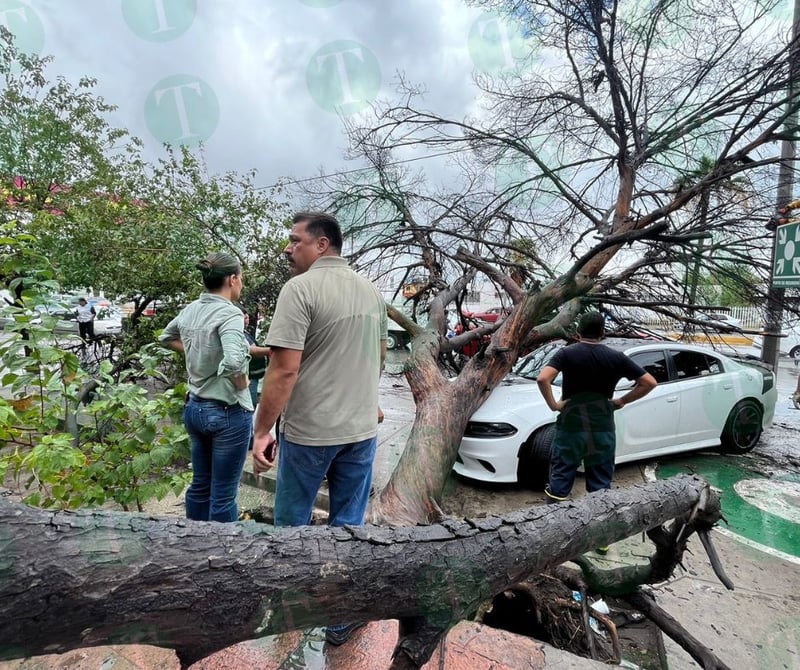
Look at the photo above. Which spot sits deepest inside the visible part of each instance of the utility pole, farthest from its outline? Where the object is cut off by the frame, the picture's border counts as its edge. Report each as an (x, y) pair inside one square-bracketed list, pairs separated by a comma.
[(774, 316)]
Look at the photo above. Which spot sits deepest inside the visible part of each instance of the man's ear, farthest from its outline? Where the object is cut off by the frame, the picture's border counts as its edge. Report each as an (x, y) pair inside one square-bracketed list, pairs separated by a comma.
[(323, 244)]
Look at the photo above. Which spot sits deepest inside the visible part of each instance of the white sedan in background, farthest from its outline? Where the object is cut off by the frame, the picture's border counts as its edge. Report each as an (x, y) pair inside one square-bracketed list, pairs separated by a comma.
[(703, 399), (719, 321)]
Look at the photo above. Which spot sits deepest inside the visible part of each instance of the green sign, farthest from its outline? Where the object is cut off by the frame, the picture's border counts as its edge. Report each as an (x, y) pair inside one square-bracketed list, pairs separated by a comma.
[(786, 272)]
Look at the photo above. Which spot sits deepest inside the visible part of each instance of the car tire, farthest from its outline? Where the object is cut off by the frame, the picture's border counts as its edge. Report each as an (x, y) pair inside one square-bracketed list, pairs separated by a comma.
[(743, 427), (795, 354), (533, 467), (391, 341)]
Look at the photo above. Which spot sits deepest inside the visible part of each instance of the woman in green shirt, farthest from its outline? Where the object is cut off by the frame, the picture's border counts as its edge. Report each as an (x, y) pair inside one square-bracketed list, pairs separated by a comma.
[(219, 411)]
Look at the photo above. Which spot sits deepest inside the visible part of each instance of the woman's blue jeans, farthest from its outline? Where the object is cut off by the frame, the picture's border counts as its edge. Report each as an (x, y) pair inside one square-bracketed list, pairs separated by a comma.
[(301, 469), (219, 435)]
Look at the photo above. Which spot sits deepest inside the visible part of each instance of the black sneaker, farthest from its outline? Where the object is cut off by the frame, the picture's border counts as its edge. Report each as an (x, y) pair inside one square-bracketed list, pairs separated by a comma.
[(337, 636)]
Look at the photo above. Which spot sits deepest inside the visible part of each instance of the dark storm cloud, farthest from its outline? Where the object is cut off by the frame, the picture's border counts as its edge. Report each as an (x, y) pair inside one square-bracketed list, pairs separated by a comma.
[(261, 83)]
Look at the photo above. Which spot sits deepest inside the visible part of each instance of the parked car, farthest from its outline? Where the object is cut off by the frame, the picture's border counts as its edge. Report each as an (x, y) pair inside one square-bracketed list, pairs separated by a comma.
[(789, 344), (703, 399), (719, 321), (108, 320), (490, 315), (397, 337)]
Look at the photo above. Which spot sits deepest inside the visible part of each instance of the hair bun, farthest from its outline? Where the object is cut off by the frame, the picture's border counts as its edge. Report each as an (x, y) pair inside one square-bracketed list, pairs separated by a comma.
[(205, 266)]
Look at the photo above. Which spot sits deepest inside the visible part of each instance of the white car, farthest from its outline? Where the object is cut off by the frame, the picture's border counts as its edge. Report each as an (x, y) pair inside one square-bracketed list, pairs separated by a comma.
[(789, 344), (718, 321), (703, 399)]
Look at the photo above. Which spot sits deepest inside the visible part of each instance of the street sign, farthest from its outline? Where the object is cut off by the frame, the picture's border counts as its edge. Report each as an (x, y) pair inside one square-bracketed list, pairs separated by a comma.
[(786, 272)]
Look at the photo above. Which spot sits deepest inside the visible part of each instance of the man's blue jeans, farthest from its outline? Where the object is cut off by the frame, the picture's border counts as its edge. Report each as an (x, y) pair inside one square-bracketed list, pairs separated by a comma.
[(219, 436), (301, 469)]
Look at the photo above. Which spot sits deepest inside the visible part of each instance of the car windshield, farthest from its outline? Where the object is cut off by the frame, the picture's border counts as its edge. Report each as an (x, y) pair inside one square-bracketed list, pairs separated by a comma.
[(530, 366)]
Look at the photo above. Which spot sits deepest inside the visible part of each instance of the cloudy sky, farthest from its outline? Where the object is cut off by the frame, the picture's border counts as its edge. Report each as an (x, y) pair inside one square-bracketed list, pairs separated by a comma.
[(261, 82)]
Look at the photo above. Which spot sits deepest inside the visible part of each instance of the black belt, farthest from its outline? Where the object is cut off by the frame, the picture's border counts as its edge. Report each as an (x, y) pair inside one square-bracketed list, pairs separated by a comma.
[(221, 403)]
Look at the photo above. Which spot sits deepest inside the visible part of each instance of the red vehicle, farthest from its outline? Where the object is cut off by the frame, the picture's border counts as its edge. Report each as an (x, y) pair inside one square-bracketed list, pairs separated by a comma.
[(489, 316)]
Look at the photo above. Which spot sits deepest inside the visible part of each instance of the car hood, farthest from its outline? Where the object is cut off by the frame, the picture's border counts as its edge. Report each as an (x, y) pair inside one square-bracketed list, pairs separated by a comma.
[(514, 397)]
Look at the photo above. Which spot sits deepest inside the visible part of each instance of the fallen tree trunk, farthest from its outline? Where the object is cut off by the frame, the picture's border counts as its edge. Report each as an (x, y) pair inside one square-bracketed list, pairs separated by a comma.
[(77, 579)]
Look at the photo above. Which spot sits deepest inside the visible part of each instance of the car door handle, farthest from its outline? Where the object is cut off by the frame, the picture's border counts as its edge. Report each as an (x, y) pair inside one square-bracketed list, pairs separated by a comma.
[(672, 398), (727, 387)]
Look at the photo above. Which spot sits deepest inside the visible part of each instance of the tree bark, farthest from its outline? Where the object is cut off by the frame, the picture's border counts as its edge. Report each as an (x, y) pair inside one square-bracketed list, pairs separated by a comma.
[(78, 579), (445, 406)]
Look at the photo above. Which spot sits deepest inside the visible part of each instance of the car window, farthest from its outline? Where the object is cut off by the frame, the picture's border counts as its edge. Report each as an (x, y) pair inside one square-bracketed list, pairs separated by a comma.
[(690, 364), (530, 366), (654, 362)]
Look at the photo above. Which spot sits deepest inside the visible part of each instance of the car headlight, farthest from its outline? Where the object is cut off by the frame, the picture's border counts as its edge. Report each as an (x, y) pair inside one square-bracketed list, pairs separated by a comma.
[(481, 429)]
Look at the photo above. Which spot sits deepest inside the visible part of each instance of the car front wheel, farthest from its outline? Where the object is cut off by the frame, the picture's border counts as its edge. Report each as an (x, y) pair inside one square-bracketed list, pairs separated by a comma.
[(533, 468), (795, 354), (743, 427)]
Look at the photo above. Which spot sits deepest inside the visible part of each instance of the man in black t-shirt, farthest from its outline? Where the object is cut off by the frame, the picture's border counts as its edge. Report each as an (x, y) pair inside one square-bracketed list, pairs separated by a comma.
[(585, 425)]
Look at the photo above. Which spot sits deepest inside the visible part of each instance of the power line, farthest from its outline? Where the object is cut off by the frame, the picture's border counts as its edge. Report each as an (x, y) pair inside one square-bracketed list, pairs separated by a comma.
[(362, 169)]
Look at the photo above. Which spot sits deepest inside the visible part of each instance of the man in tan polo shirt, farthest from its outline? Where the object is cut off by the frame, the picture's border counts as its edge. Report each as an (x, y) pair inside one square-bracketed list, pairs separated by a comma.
[(328, 340)]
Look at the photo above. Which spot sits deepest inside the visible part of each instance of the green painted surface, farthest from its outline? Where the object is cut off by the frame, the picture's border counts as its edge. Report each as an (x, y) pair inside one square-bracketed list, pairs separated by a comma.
[(771, 521)]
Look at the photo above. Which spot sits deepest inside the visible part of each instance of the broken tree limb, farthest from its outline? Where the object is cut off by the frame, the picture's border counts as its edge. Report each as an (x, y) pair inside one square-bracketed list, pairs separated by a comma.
[(698, 651), (78, 579), (670, 541), (716, 564)]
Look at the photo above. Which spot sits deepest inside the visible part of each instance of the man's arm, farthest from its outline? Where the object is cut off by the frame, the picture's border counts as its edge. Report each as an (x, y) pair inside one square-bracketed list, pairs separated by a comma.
[(257, 351), (279, 381), (642, 387), (545, 382)]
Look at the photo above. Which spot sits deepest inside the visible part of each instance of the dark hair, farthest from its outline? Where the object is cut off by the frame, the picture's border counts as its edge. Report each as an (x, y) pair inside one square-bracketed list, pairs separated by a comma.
[(320, 224), (592, 325), (216, 267)]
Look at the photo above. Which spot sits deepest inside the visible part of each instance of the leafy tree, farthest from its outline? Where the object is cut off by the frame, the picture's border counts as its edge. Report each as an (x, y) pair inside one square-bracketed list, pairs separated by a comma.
[(730, 285), (64, 447), (109, 219)]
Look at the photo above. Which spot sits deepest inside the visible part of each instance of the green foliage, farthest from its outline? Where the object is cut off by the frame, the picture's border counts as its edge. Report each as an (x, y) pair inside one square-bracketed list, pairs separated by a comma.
[(729, 285), (127, 444), (55, 144), (71, 439), (107, 218)]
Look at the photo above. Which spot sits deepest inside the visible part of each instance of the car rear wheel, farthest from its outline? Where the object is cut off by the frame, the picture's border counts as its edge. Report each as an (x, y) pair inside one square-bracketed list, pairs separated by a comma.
[(391, 341), (743, 427), (795, 354), (533, 468)]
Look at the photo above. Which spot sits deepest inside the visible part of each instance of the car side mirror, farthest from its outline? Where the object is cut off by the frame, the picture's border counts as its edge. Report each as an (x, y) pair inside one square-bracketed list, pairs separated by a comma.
[(624, 385)]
